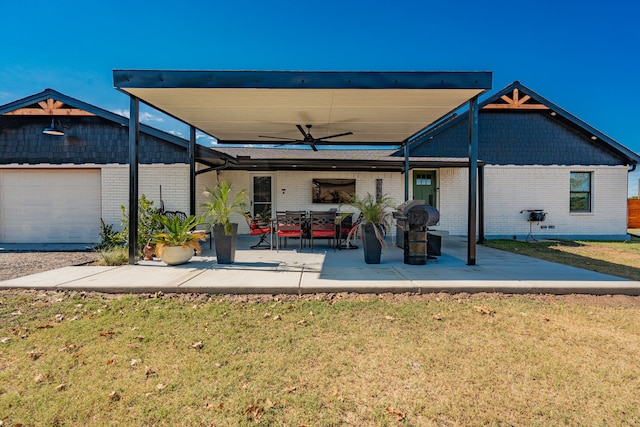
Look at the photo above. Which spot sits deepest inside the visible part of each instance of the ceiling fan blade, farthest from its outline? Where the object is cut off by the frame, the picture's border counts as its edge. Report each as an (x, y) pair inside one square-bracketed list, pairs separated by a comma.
[(313, 147), (293, 142), (301, 131), (335, 136), (279, 138)]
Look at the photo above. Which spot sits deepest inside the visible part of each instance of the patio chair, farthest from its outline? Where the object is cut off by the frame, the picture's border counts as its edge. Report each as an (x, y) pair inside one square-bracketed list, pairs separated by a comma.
[(346, 227), (172, 214), (259, 227), (323, 225), (289, 225)]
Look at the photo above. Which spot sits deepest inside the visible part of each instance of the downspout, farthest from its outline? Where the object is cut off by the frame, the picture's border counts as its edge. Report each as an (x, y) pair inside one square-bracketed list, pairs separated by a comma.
[(481, 238), (134, 114), (633, 168), (406, 171)]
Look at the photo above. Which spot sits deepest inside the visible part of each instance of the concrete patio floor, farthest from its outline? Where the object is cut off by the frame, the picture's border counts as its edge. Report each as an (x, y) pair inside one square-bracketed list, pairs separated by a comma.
[(293, 272)]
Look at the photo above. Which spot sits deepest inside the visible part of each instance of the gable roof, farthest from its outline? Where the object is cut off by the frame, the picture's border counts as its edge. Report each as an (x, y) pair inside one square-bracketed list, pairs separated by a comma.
[(518, 97), (51, 103)]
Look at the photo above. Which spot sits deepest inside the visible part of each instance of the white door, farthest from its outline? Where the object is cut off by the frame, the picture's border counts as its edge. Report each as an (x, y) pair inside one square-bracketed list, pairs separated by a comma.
[(50, 206)]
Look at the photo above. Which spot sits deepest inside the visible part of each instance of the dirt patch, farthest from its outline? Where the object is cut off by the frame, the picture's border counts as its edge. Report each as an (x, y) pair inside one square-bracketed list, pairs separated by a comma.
[(17, 264)]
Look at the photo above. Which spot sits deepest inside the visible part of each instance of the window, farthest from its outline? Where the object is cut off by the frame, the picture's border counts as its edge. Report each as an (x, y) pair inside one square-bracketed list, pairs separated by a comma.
[(580, 192), (423, 179)]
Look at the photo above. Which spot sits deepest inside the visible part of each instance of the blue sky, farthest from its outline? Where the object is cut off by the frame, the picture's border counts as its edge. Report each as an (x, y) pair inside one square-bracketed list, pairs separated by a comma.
[(583, 56)]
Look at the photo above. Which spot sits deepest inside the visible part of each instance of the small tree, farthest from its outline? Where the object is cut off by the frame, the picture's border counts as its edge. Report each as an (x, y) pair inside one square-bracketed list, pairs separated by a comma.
[(148, 225), (373, 211), (220, 205)]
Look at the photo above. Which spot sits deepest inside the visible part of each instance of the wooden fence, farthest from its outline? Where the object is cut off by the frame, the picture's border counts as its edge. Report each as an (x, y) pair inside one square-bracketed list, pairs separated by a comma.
[(633, 213)]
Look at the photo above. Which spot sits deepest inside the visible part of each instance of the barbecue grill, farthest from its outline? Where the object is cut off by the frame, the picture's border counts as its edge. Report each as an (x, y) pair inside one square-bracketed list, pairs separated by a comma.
[(412, 219)]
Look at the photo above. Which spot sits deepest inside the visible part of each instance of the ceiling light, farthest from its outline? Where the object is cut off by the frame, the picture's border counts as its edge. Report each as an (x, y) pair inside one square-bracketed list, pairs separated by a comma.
[(53, 130), (594, 138)]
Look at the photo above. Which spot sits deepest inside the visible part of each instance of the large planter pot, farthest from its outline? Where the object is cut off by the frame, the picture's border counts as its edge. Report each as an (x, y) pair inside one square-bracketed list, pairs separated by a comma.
[(225, 245), (371, 245), (175, 255)]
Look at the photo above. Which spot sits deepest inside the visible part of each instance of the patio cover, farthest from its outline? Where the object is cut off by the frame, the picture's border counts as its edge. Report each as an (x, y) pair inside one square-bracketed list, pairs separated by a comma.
[(237, 107), (240, 106)]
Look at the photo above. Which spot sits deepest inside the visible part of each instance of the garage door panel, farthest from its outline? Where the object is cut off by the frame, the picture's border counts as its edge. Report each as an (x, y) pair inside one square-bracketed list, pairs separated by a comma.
[(50, 206)]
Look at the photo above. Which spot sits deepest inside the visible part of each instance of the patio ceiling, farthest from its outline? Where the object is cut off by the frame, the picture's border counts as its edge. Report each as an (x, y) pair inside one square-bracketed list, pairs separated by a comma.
[(238, 107)]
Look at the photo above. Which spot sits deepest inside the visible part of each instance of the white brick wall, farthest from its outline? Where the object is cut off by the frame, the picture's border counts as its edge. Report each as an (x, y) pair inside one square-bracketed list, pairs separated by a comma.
[(453, 200), (297, 186), (510, 189), (174, 180), (203, 180)]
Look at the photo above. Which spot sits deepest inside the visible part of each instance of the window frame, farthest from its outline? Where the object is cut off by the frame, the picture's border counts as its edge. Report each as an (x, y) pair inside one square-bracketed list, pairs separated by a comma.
[(588, 193)]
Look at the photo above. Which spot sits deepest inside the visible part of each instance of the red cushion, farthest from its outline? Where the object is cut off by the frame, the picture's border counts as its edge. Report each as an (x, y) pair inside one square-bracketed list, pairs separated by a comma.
[(260, 231), (323, 233), (288, 233)]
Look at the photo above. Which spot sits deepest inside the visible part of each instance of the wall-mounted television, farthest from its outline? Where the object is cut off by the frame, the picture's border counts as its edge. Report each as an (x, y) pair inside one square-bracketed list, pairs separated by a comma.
[(333, 190)]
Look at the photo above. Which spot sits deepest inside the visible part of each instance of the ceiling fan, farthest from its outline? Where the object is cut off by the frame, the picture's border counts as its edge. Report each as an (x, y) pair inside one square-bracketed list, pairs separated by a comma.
[(307, 137)]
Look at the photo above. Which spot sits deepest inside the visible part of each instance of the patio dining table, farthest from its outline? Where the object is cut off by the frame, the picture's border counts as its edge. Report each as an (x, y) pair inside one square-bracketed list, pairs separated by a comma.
[(307, 231)]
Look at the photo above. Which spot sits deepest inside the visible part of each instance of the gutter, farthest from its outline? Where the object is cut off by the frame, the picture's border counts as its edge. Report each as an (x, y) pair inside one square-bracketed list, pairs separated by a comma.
[(214, 168)]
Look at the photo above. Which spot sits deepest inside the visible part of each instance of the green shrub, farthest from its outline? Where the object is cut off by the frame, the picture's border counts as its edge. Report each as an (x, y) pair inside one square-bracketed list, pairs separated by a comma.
[(117, 255), (148, 225), (108, 238)]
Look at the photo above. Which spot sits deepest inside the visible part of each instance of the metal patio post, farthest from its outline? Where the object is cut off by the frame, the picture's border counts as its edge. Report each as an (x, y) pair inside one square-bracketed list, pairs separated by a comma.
[(473, 180), (192, 170), (134, 113)]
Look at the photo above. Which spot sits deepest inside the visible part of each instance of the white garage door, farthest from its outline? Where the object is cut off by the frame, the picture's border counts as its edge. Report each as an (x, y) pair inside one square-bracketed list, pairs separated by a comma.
[(50, 206)]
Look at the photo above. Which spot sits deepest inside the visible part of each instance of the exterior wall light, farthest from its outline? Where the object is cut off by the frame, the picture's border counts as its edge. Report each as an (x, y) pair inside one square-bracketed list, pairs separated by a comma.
[(53, 130)]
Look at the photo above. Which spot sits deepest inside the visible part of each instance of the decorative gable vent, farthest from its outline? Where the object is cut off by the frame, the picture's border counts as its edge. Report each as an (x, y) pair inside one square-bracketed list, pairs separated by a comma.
[(50, 107), (516, 102)]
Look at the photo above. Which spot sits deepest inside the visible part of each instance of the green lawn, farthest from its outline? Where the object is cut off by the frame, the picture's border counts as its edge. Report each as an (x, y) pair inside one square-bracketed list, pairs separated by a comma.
[(620, 259), (90, 359)]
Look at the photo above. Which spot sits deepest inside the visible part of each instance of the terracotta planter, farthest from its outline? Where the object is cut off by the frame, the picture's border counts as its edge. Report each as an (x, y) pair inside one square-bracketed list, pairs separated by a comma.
[(225, 245), (175, 255), (371, 245)]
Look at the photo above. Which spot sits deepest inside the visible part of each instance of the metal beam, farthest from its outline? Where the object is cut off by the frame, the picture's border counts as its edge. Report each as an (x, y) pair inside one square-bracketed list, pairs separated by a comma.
[(125, 79), (473, 180), (134, 113), (192, 170)]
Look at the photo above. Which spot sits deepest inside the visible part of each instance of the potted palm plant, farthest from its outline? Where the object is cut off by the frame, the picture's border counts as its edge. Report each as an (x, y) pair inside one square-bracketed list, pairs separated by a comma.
[(374, 220), (175, 245), (220, 206)]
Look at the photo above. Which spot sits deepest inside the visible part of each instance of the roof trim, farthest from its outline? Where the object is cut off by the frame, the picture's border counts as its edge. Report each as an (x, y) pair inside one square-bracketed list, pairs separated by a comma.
[(124, 79)]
